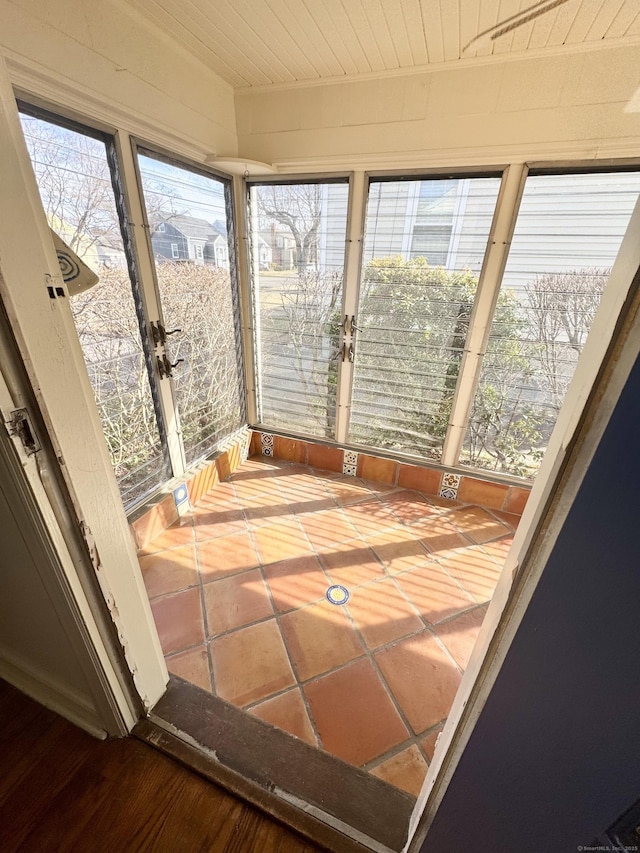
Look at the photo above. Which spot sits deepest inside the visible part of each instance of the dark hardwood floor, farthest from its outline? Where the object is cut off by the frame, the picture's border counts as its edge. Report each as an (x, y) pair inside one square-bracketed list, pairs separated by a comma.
[(62, 790)]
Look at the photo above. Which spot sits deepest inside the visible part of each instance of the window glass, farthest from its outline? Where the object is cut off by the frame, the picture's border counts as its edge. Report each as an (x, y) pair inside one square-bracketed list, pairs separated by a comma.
[(298, 236), (567, 236), (189, 224), (74, 179), (424, 246)]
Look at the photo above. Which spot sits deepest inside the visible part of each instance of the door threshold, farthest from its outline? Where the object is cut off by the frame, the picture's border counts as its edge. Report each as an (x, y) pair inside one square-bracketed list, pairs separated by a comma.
[(322, 797)]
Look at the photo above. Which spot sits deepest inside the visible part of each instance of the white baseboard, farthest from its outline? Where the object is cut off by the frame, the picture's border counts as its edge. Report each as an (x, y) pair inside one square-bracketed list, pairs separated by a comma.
[(68, 702)]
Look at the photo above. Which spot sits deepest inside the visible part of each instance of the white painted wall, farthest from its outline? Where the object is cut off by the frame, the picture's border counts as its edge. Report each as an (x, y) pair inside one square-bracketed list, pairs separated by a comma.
[(104, 61), (41, 651), (579, 105)]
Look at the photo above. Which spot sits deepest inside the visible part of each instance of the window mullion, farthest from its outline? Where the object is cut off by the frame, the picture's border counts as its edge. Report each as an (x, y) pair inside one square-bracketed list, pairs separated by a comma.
[(242, 216), (353, 264), (139, 229), (483, 310)]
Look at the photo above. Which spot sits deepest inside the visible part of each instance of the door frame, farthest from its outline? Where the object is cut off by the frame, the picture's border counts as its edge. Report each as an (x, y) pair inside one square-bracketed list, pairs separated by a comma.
[(49, 351)]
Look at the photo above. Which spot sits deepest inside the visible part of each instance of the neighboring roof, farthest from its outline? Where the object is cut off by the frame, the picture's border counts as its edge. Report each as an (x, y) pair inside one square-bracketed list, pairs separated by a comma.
[(192, 226)]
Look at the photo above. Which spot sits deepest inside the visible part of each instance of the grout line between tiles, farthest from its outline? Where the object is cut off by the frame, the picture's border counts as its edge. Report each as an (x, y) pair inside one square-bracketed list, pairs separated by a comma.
[(360, 540)]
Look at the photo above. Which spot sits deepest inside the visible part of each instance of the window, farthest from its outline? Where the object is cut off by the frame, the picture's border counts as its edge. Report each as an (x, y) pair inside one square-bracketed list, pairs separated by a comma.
[(75, 183), (162, 227), (199, 302), (568, 233), (424, 246), (175, 252), (298, 232)]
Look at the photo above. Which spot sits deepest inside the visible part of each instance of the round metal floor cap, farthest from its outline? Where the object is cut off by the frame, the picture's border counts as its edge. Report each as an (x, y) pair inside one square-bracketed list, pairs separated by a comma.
[(337, 594)]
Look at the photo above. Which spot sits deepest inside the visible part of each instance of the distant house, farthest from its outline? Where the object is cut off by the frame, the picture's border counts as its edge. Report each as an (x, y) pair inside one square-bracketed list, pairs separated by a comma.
[(189, 238)]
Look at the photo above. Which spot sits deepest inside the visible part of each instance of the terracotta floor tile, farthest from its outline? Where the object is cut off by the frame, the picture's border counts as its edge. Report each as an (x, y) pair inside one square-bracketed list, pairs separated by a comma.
[(296, 582), (424, 479), (251, 664), (193, 666), (266, 512), (319, 637), (261, 465), (422, 679), (476, 523), (169, 571), (439, 534), (474, 491), (459, 635), (180, 533), (327, 458), (382, 613), (254, 488), (377, 469), (399, 550), (410, 506), (302, 488), (428, 743), (289, 713), (178, 618), (377, 487), (222, 498), (444, 503), (351, 563), (327, 528), (406, 770), (354, 716), (498, 550), (476, 571), (348, 490), (282, 541), (276, 535), (226, 555), (507, 518), (371, 516), (434, 593), (209, 524), (236, 601)]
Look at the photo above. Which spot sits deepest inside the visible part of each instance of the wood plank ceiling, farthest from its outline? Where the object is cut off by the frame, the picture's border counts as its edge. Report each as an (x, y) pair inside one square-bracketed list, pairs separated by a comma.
[(264, 42)]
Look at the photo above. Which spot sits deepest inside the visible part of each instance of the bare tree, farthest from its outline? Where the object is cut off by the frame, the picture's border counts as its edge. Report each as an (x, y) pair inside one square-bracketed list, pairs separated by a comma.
[(299, 208), (75, 183), (559, 309)]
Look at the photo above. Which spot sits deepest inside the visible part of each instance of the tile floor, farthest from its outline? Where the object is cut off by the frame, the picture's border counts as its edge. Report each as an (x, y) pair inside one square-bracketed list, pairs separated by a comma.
[(238, 592)]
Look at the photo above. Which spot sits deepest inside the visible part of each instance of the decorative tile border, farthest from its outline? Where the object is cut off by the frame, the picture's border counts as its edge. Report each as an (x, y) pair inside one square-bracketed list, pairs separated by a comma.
[(181, 497), (450, 481), (449, 486), (150, 521), (350, 463), (449, 494), (266, 442)]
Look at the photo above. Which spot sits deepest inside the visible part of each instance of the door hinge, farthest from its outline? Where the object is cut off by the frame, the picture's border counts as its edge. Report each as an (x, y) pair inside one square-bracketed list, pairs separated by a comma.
[(20, 427)]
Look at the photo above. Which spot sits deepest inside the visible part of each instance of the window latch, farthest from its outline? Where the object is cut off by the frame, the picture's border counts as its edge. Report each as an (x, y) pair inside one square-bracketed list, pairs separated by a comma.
[(160, 334), (341, 354), (165, 367)]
